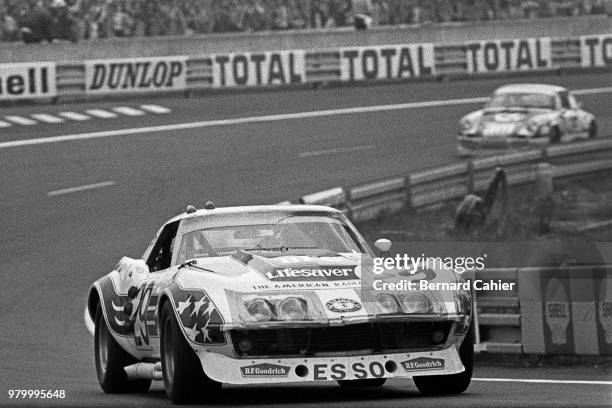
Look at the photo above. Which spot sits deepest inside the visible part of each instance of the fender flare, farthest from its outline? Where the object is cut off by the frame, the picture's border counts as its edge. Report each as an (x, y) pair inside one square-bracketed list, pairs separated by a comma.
[(211, 319)]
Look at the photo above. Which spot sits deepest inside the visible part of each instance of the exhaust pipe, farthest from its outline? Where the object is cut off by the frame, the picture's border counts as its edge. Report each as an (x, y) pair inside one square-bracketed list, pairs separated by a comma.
[(144, 371)]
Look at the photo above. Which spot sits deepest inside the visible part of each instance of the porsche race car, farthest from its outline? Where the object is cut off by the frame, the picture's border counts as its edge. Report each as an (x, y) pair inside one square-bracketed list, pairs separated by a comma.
[(271, 294), (524, 115)]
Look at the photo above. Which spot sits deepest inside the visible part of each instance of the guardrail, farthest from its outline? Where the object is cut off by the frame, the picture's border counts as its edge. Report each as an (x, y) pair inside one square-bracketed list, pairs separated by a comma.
[(498, 316)]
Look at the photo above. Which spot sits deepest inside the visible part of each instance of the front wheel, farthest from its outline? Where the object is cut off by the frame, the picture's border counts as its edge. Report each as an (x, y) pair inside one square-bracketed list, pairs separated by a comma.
[(452, 383), (110, 361), (373, 382), (184, 379)]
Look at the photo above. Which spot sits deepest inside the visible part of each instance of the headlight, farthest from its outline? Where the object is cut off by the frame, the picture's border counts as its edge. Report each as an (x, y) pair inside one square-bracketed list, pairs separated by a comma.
[(259, 310), (387, 304), (532, 126), (465, 125), (292, 308), (463, 301), (416, 303)]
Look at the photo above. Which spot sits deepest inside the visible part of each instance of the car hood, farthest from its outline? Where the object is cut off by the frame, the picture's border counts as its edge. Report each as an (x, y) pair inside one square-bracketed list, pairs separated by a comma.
[(338, 286), (243, 269), (513, 117)]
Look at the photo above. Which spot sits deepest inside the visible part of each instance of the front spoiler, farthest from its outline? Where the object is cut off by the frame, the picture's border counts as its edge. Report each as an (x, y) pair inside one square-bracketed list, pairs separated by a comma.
[(478, 145), (225, 369)]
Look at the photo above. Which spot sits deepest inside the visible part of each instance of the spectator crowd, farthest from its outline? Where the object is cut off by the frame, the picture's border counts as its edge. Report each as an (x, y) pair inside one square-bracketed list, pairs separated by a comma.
[(46, 20)]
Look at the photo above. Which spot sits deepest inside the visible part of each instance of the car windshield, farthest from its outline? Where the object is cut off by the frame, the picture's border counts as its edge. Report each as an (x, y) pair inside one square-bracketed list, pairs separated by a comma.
[(521, 101), (292, 235)]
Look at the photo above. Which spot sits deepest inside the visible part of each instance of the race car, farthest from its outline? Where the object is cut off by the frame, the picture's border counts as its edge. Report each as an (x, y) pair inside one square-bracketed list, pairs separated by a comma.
[(524, 115), (272, 294)]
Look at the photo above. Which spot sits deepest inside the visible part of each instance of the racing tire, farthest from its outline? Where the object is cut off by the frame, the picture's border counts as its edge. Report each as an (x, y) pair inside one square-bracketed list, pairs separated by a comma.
[(184, 379), (592, 129), (452, 383), (110, 361), (364, 383), (554, 135)]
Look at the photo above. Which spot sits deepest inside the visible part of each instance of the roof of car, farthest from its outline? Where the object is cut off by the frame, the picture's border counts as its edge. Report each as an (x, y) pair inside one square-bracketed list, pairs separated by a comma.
[(530, 88), (241, 210)]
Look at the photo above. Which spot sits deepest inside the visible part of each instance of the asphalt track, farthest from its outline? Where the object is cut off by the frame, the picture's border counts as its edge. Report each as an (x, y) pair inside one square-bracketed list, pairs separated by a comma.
[(69, 209)]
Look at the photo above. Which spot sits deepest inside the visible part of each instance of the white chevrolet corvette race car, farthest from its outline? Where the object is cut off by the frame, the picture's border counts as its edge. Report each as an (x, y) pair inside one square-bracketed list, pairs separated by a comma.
[(271, 294), (524, 115)]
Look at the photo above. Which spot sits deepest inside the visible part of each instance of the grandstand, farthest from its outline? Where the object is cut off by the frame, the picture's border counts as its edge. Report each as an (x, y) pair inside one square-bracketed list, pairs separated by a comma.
[(50, 20)]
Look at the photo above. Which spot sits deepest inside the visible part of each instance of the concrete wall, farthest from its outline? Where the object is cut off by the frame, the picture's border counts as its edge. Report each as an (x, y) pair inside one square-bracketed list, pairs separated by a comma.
[(305, 39)]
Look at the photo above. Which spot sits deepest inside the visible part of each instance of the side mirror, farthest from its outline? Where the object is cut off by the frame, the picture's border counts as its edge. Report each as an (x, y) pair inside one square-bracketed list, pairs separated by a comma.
[(383, 245)]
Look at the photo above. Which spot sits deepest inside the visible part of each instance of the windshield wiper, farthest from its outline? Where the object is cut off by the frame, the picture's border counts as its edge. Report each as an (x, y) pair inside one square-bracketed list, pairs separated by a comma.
[(507, 109), (193, 264), (280, 248)]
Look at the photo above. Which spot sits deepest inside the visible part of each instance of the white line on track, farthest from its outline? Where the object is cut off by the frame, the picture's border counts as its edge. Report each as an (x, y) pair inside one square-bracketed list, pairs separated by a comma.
[(337, 150), (101, 113), (126, 110), (79, 117), (45, 117), (80, 188), (543, 381), (155, 109), (20, 120), (259, 119), (592, 91)]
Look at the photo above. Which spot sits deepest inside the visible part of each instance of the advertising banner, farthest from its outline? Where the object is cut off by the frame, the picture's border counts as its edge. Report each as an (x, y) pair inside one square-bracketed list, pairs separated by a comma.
[(508, 55), (136, 75), (596, 50), (266, 68), (386, 62), (27, 80)]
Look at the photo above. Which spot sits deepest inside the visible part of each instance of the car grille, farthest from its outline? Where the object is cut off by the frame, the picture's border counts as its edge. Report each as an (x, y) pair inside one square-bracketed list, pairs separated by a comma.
[(379, 337)]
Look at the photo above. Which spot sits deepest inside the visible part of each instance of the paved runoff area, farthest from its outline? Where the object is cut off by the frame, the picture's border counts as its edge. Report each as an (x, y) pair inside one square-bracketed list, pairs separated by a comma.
[(86, 183)]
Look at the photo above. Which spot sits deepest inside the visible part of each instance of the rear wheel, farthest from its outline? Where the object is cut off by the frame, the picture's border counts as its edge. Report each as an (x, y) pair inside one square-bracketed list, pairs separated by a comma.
[(554, 135), (184, 379), (592, 129), (453, 383), (373, 382), (110, 361)]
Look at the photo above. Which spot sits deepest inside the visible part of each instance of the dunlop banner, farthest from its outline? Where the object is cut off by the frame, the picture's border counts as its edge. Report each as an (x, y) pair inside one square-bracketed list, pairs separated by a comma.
[(267, 68), (386, 62), (27, 80), (136, 75), (596, 51), (508, 55)]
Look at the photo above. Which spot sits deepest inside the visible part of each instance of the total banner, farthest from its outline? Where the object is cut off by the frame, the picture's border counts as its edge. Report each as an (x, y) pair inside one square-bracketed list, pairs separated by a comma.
[(266, 68), (386, 62), (136, 75), (27, 80), (508, 55), (596, 50)]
